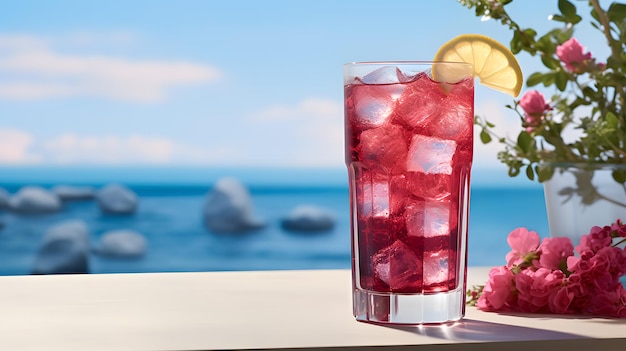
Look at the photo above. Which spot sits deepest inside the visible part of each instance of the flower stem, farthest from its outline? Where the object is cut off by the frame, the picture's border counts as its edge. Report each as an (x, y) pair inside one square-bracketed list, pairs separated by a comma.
[(619, 242), (616, 47)]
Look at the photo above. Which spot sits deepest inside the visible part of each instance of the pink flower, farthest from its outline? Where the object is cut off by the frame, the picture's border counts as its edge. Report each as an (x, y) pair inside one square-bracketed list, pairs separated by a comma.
[(619, 261), (498, 293), (580, 264), (524, 244), (609, 302), (571, 53), (561, 299), (534, 105), (600, 237), (554, 252), (535, 288), (619, 228), (549, 278), (575, 286)]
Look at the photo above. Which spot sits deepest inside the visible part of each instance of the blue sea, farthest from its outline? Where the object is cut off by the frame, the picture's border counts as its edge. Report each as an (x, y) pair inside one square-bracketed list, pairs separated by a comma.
[(170, 217)]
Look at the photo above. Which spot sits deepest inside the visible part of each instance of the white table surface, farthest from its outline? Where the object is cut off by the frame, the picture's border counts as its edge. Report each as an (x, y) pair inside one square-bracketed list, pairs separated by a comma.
[(255, 310)]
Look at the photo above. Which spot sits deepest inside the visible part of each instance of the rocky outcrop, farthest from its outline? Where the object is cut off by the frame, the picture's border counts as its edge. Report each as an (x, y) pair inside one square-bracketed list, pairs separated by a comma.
[(72, 193), (117, 199), (64, 249), (35, 200), (229, 209), (308, 218), (122, 243)]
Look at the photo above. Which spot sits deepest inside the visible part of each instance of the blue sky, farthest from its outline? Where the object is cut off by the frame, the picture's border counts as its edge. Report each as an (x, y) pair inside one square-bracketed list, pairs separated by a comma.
[(214, 83)]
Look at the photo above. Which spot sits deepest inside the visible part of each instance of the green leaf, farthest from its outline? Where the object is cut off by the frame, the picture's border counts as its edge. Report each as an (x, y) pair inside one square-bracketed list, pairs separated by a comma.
[(523, 141), (617, 12), (516, 43), (560, 79), (530, 174), (611, 120), (550, 62), (535, 79), (558, 18), (589, 93), (567, 8), (513, 171), (569, 11), (594, 15), (548, 79), (485, 137), (544, 173), (619, 175), (562, 34)]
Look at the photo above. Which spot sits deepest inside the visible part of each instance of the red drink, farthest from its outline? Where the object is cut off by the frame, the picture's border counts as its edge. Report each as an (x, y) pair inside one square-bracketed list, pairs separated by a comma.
[(409, 153)]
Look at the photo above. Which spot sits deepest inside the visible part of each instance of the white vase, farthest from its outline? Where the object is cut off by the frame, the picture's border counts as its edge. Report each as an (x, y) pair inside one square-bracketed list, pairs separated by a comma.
[(580, 196)]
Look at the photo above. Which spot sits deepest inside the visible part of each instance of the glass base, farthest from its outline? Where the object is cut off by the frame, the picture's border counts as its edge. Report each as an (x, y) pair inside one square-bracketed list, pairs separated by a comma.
[(409, 309)]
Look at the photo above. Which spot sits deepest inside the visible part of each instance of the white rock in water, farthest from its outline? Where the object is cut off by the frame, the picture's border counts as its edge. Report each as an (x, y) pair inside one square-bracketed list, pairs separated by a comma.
[(122, 243), (117, 199), (64, 249), (4, 198), (68, 192), (35, 200), (228, 208), (309, 218)]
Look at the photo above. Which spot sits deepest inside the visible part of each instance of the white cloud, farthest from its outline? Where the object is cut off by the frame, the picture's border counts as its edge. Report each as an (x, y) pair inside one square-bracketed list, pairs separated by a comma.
[(15, 147), (316, 132), (20, 147), (109, 149), (30, 68)]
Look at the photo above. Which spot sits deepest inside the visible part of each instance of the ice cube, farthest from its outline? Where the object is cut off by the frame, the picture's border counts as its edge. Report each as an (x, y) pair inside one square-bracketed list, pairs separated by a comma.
[(398, 266), (430, 155), (372, 105), (375, 201), (430, 218), (455, 121), (436, 269), (385, 75), (429, 186), (384, 149), (420, 103), (380, 195)]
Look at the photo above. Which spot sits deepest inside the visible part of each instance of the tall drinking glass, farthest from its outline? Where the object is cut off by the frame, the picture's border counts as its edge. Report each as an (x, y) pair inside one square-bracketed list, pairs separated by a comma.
[(409, 144)]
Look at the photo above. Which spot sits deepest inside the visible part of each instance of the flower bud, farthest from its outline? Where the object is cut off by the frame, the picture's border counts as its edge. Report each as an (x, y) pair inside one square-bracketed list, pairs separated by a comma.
[(534, 103), (571, 53)]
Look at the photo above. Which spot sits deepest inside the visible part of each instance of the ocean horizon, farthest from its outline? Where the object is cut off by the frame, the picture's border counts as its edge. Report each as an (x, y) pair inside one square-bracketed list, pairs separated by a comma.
[(169, 216)]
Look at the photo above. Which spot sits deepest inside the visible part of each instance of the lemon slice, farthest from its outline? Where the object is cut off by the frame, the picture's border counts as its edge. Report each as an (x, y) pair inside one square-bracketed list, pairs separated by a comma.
[(493, 63)]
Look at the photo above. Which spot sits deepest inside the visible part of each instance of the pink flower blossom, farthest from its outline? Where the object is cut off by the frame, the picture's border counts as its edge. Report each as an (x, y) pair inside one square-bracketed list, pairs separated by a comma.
[(549, 278), (619, 228), (554, 252), (498, 292), (608, 302), (571, 53), (523, 244), (599, 237), (575, 286), (535, 106), (534, 103), (561, 299), (535, 288), (580, 264)]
